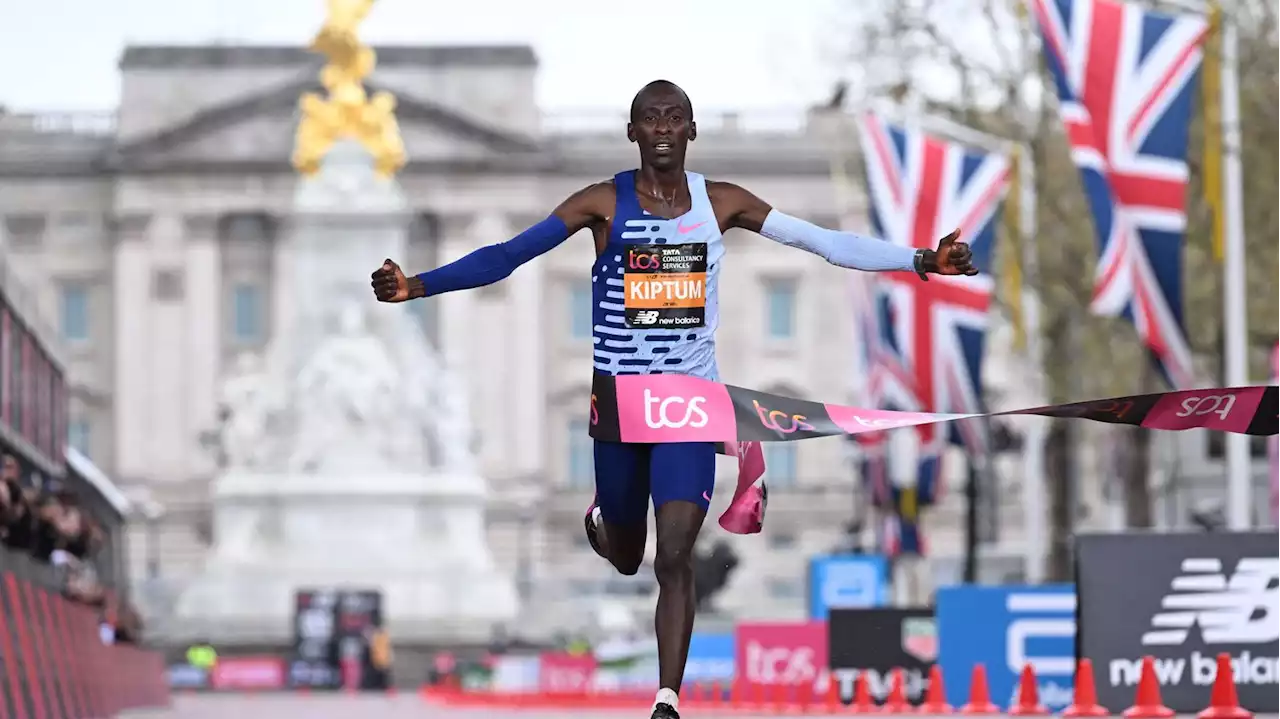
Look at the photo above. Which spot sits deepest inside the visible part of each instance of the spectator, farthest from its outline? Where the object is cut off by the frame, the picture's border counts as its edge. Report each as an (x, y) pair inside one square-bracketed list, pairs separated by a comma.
[(380, 658), (51, 526), (10, 492), (19, 523), (49, 523)]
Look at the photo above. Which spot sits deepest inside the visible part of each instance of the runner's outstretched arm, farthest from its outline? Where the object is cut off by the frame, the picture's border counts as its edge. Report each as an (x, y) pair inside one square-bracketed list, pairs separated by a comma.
[(492, 263), (736, 207)]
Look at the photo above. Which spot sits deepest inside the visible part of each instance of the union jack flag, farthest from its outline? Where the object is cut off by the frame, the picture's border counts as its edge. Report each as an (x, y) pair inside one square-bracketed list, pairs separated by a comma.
[(1126, 80), (924, 340)]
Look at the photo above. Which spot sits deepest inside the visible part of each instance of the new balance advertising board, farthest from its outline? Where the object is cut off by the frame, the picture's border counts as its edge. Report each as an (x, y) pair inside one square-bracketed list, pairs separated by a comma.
[(1181, 598), (876, 641), (1005, 628), (847, 581)]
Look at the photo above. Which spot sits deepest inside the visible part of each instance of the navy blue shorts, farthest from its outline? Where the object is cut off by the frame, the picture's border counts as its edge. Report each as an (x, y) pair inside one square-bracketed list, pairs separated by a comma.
[(627, 475)]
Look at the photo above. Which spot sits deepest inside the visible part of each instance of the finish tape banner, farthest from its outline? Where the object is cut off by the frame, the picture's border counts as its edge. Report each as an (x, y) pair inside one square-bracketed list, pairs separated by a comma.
[(674, 408), (647, 409)]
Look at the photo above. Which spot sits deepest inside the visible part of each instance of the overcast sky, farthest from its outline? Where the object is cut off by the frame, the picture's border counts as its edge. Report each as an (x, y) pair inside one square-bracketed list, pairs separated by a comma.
[(61, 54)]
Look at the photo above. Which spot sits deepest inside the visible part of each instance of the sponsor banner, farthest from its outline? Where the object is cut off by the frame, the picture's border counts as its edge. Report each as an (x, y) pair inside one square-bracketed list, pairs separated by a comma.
[(851, 581), (675, 408), (1181, 598), (874, 642), (239, 673), (767, 654), (563, 673), (359, 614), (625, 664), (711, 659), (1005, 628), (313, 674), (185, 676), (515, 674), (315, 645)]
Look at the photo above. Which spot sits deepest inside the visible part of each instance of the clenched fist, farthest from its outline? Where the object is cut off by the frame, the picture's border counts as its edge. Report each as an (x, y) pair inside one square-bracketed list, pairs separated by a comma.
[(389, 283)]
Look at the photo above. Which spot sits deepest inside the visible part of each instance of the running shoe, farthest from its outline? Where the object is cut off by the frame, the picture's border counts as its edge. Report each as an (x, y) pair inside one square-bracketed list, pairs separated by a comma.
[(664, 711), (592, 524)]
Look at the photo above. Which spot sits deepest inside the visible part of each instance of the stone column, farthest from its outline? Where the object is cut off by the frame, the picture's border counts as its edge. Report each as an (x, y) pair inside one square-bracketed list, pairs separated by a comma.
[(168, 440), (456, 322), (525, 386), (284, 287), (494, 355), (133, 342), (203, 317)]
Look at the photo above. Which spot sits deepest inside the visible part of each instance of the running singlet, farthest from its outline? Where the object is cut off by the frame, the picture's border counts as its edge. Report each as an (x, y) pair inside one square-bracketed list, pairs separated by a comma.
[(653, 290)]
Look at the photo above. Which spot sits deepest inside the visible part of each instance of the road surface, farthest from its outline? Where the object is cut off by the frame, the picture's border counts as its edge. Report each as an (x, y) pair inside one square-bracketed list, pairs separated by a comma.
[(330, 706)]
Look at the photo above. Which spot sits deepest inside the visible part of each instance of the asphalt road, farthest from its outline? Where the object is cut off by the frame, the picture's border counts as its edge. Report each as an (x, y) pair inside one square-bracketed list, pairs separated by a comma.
[(281, 706), (285, 706)]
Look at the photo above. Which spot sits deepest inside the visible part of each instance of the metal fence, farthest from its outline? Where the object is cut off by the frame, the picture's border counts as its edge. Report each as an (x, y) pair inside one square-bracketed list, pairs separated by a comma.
[(54, 660)]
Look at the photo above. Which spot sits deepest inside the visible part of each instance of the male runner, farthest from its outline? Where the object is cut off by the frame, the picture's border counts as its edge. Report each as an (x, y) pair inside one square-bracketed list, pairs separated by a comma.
[(656, 311)]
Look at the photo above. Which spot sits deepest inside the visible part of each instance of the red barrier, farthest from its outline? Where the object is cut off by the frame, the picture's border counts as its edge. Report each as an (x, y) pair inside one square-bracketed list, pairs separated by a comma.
[(54, 665)]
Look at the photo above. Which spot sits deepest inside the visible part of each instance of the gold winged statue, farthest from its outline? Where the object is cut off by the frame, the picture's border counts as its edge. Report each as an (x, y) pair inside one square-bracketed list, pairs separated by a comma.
[(347, 111)]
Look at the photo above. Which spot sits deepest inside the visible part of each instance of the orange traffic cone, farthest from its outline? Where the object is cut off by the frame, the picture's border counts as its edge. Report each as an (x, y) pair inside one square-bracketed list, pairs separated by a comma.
[(779, 699), (862, 702), (935, 699), (804, 696), (1147, 704), (833, 699), (896, 702), (1028, 702), (979, 694), (1085, 701), (1223, 702), (761, 696)]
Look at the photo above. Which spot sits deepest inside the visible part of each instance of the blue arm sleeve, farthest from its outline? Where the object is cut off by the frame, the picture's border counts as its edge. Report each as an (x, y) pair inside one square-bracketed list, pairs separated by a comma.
[(844, 249), (495, 262)]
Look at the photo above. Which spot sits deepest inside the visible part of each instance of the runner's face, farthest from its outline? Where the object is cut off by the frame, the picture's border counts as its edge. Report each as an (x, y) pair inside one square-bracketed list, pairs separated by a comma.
[(661, 126)]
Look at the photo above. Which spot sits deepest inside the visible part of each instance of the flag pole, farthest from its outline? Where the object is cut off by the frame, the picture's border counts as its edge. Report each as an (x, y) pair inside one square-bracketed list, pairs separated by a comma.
[(1035, 488), (1234, 310)]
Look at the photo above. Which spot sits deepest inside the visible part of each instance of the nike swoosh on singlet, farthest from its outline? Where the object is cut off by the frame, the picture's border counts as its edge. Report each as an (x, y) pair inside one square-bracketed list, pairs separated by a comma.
[(686, 230)]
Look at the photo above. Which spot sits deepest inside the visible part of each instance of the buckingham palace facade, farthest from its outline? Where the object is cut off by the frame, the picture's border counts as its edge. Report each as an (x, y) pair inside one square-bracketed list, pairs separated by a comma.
[(149, 234)]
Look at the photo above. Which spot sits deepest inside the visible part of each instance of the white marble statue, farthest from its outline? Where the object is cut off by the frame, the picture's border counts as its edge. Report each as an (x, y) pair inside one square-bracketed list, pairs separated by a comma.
[(248, 399), (346, 406), (349, 457)]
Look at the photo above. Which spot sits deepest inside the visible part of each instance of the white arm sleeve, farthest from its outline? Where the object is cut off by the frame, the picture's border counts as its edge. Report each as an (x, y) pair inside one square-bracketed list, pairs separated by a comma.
[(844, 249)]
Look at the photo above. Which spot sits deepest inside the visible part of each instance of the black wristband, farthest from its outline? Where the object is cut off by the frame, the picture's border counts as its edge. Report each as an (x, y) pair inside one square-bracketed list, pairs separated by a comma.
[(919, 264)]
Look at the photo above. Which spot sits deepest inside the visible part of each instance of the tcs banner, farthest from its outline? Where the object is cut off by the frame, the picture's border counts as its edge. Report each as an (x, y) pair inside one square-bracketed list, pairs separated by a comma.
[(564, 673), (1006, 628), (788, 653)]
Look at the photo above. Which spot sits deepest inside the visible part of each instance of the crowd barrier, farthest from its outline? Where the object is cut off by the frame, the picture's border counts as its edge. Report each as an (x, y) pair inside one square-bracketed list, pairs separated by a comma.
[(53, 661)]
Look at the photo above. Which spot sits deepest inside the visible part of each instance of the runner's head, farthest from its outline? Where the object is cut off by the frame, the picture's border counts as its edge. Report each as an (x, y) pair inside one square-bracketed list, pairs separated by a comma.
[(662, 124)]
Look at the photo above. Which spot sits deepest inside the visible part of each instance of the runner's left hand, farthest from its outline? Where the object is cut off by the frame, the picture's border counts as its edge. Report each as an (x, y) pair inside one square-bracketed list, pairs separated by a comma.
[(952, 257)]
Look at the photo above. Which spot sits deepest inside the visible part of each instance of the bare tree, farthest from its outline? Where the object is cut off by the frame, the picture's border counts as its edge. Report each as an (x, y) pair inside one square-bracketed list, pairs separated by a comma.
[(977, 62)]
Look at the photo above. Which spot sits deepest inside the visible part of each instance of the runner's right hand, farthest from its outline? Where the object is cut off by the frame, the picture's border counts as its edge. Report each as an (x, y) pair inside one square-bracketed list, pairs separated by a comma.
[(389, 283)]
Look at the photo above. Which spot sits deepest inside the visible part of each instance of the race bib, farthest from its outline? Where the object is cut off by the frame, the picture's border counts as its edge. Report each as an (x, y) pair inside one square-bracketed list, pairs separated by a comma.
[(666, 286)]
